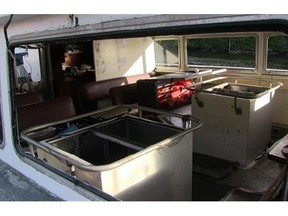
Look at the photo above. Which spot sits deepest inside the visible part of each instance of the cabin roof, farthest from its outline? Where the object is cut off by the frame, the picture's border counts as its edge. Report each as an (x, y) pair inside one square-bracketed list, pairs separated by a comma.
[(146, 25)]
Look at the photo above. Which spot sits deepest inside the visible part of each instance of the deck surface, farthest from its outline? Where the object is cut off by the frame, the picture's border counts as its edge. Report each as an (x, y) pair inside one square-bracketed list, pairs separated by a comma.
[(16, 187)]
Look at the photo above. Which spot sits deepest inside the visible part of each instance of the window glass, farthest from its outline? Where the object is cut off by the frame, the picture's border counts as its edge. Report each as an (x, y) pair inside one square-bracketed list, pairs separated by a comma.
[(166, 53), (277, 53), (228, 52), (27, 65)]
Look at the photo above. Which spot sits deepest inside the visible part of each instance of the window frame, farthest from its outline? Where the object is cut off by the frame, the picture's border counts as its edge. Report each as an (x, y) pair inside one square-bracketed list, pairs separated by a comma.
[(169, 68), (244, 70), (271, 71)]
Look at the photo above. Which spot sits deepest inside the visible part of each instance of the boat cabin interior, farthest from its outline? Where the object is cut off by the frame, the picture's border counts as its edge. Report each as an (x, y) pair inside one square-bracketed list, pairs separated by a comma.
[(186, 113)]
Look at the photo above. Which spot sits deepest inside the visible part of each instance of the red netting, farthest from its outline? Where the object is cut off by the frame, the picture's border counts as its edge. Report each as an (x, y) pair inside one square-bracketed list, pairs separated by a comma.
[(174, 94)]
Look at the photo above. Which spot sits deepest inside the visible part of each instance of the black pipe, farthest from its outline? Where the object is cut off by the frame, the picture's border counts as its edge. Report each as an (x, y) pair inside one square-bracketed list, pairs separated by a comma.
[(238, 110), (285, 187)]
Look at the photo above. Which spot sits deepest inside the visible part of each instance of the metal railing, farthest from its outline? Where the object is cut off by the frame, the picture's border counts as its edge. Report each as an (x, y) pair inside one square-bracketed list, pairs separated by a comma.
[(122, 110)]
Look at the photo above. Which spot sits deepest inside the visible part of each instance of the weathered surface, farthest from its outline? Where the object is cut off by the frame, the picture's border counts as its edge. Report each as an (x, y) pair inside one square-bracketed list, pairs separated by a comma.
[(16, 187)]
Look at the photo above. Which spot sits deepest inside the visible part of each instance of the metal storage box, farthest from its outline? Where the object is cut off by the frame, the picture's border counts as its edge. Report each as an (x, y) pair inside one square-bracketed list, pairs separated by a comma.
[(130, 158), (237, 121)]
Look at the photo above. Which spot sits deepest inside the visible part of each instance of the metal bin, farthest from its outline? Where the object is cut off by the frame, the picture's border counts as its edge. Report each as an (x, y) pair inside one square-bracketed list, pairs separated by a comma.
[(128, 157), (237, 120)]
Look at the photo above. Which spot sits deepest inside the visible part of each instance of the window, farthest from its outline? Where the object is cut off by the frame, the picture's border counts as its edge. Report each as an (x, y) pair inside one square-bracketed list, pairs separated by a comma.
[(277, 53), (27, 68), (235, 52), (166, 53)]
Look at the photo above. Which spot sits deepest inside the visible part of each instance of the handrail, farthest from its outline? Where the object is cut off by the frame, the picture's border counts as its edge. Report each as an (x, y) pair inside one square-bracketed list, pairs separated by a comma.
[(188, 75), (74, 160)]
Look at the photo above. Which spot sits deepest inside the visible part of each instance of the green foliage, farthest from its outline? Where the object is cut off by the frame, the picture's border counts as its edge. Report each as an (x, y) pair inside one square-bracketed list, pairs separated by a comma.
[(233, 52), (278, 44), (236, 44)]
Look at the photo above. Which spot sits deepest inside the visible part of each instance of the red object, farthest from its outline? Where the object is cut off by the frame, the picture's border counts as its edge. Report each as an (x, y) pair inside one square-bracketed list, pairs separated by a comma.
[(174, 94)]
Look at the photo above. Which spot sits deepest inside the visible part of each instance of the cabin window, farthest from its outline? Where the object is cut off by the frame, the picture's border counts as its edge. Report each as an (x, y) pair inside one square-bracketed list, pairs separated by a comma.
[(166, 53), (27, 68), (228, 52), (277, 53)]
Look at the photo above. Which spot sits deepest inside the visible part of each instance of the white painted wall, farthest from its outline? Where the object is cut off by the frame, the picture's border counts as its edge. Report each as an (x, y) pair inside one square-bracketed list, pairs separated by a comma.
[(123, 57)]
